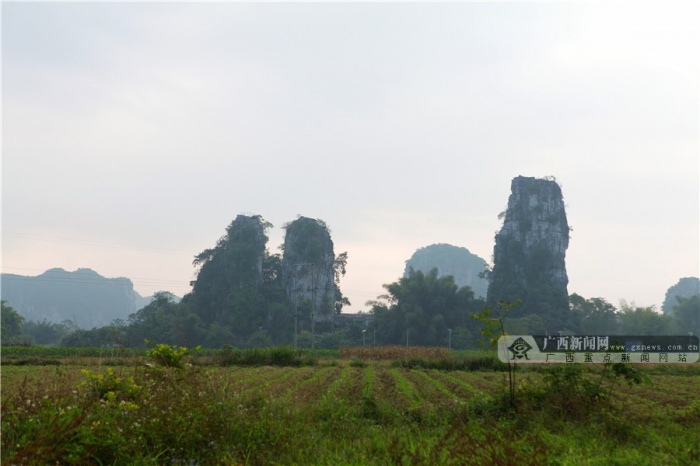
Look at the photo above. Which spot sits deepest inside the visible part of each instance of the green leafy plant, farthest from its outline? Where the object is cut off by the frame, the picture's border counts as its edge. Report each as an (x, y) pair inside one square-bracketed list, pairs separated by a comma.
[(573, 391), (169, 356), (110, 386)]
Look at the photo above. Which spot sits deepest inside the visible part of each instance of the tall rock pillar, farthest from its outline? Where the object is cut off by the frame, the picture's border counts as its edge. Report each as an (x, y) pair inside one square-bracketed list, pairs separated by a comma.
[(529, 254), (307, 267)]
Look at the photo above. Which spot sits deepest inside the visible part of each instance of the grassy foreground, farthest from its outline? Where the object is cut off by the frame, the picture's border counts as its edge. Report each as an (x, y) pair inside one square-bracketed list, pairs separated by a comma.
[(359, 411)]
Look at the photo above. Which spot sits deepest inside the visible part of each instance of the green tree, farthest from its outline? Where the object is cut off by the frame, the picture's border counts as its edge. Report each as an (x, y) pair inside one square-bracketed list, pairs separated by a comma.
[(217, 336), (330, 340), (594, 316), (422, 307), (686, 315), (339, 265), (637, 320), (11, 324), (685, 288), (532, 324), (304, 339), (464, 338), (259, 339), (95, 338), (164, 321), (233, 267), (48, 333)]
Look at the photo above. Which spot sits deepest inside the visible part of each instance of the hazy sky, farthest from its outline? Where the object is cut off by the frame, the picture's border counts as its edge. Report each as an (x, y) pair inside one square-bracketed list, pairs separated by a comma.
[(134, 133)]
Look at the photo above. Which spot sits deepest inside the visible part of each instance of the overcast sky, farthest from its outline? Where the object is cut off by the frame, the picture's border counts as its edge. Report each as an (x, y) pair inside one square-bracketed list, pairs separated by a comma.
[(133, 134)]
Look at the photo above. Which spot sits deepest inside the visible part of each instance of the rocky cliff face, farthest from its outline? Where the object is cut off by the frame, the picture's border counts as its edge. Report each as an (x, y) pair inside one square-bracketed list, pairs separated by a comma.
[(530, 250), (464, 266), (307, 268)]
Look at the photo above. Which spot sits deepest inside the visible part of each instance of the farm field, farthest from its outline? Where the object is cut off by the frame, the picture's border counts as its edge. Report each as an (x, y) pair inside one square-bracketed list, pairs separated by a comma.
[(345, 411)]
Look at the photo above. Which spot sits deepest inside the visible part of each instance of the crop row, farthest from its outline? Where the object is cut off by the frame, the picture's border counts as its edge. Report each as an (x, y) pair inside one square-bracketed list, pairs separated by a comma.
[(354, 413), (390, 388)]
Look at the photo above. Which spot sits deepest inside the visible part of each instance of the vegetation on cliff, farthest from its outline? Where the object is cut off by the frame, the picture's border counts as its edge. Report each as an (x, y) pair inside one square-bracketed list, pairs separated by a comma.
[(529, 254)]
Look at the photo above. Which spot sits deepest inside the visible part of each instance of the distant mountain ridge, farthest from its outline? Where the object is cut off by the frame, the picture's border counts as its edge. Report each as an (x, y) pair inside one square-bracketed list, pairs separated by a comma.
[(83, 296)]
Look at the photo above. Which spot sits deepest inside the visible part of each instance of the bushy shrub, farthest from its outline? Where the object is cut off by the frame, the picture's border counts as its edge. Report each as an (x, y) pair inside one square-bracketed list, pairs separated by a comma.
[(109, 385), (567, 391), (170, 356)]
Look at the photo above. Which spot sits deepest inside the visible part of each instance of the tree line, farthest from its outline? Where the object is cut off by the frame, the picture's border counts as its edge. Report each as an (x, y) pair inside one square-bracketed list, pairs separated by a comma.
[(418, 309), (245, 296)]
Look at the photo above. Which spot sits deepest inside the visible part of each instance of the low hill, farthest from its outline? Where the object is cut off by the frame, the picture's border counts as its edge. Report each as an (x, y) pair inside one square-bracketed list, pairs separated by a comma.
[(685, 288), (464, 266)]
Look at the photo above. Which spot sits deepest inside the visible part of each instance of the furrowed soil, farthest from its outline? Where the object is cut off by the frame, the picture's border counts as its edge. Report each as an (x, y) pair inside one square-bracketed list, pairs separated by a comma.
[(347, 412)]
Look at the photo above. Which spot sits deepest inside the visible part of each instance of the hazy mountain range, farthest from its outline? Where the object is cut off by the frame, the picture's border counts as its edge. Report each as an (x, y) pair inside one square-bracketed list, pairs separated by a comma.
[(83, 296)]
